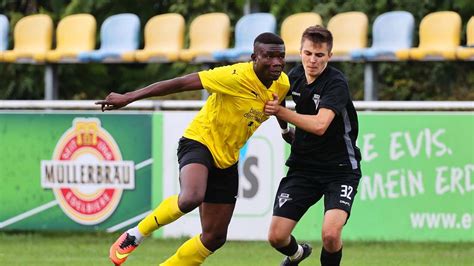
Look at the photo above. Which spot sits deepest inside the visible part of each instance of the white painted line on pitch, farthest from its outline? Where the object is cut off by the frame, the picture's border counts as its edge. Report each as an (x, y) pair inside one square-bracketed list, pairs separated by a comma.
[(54, 203), (28, 213), (127, 222), (143, 164)]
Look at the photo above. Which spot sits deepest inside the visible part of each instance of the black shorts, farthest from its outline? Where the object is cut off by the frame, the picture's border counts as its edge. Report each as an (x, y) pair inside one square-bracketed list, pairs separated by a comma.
[(300, 190), (222, 184)]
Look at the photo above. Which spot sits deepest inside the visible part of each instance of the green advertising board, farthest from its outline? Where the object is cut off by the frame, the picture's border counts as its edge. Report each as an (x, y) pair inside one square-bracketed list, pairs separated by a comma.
[(74, 171), (92, 171), (418, 179)]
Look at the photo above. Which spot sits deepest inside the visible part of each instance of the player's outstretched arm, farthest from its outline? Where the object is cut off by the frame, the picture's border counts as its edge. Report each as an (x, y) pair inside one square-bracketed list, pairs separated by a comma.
[(185, 83)]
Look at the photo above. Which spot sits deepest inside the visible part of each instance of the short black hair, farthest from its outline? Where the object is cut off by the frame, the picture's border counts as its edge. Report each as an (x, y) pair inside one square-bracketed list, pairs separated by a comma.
[(268, 38)]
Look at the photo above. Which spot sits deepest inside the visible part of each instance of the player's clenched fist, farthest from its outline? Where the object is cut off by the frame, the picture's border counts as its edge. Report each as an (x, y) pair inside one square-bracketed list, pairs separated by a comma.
[(272, 107)]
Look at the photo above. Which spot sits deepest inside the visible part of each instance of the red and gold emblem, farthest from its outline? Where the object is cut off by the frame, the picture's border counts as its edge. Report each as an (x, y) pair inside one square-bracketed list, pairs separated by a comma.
[(87, 173)]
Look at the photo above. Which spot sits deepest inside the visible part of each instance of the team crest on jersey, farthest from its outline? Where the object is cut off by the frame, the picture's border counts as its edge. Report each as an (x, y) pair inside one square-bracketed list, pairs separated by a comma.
[(283, 198), (316, 98), (87, 173)]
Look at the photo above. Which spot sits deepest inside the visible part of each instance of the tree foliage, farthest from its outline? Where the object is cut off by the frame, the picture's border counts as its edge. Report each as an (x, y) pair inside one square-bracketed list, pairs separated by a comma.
[(396, 80)]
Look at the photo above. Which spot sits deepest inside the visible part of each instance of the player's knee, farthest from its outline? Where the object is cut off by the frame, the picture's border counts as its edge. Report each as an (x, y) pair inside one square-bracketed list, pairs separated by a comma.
[(277, 240), (214, 240), (189, 201), (331, 240)]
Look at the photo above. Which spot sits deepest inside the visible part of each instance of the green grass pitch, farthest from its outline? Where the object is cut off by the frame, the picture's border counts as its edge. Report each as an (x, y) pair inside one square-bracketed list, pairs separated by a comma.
[(91, 249)]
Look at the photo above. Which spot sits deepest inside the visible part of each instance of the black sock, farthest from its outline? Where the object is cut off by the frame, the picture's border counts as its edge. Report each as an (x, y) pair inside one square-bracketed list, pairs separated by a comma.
[(291, 249), (330, 259)]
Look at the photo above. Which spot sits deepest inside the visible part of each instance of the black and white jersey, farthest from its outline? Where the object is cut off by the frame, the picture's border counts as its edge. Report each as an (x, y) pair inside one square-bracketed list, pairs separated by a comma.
[(336, 149)]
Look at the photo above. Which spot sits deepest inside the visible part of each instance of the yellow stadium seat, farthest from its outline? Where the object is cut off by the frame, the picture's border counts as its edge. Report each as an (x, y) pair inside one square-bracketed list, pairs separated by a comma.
[(32, 38), (467, 53), (164, 38), (74, 34), (440, 36), (208, 33), (293, 27), (349, 32)]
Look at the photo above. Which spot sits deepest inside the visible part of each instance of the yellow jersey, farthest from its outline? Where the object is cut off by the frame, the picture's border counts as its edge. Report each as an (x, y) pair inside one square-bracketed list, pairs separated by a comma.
[(233, 111)]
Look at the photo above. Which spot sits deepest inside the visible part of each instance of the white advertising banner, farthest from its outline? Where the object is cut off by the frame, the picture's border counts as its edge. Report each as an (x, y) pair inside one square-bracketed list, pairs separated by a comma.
[(261, 167)]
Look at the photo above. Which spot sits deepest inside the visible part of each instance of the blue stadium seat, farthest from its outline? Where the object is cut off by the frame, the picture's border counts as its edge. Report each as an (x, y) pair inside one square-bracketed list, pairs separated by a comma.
[(4, 27), (391, 31), (246, 30), (118, 34)]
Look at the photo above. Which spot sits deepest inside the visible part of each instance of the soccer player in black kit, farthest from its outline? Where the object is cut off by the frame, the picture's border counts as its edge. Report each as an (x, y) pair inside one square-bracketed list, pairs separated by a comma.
[(324, 159)]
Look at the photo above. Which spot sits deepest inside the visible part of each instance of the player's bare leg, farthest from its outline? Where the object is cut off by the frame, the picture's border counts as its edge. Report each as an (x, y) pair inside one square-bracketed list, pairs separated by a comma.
[(333, 223), (281, 239), (215, 220)]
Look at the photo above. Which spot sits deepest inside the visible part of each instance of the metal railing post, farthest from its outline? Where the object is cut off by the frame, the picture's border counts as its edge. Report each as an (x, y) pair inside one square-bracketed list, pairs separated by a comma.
[(370, 81), (50, 82)]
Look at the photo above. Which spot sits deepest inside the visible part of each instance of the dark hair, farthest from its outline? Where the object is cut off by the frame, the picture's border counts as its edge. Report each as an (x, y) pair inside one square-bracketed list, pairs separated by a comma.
[(318, 34), (268, 38)]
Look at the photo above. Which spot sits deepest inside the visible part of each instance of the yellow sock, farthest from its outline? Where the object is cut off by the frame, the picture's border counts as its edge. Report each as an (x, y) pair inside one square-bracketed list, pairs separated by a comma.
[(191, 253), (167, 212)]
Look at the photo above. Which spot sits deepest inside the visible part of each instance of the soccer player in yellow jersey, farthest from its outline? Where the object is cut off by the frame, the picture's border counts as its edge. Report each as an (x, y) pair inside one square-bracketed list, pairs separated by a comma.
[(208, 152)]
